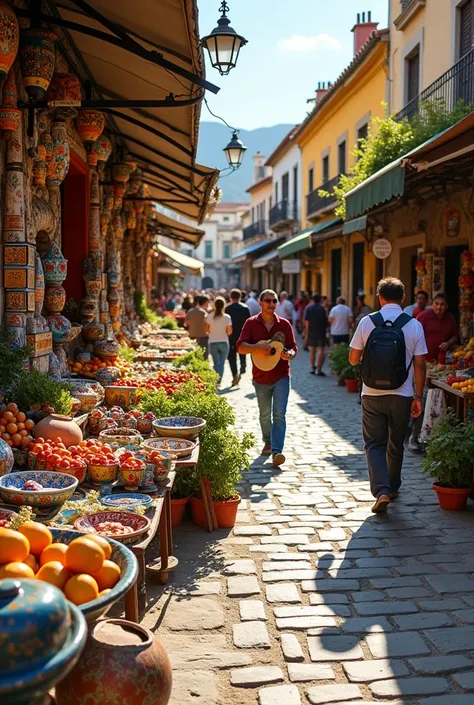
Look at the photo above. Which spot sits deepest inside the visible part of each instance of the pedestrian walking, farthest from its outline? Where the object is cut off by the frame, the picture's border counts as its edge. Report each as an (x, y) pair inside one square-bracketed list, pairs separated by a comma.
[(393, 350), (340, 318), (284, 308), (239, 313), (252, 303), (420, 305), (195, 322), (272, 387), (315, 328), (219, 328)]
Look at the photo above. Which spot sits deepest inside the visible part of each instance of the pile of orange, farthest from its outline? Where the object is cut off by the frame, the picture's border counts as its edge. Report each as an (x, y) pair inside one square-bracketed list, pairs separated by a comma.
[(15, 429), (88, 369), (82, 569)]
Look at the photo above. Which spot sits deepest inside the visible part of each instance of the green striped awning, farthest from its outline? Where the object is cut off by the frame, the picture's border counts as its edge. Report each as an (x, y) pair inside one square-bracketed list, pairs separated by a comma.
[(357, 225), (303, 240)]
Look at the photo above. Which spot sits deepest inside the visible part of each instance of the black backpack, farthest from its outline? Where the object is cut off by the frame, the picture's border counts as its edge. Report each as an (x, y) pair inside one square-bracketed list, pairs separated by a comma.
[(384, 360)]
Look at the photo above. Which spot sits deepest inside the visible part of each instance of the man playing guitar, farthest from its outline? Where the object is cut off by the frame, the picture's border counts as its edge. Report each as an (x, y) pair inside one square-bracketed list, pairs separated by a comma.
[(271, 381)]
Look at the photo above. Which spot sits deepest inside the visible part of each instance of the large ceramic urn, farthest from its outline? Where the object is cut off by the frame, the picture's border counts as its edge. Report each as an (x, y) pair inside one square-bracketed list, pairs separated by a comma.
[(10, 38), (59, 426), (37, 54), (122, 663)]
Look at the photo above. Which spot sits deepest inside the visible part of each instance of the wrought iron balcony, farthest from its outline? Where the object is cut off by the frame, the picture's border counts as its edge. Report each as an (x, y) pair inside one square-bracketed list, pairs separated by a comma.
[(257, 228), (283, 213), (454, 89), (316, 203)]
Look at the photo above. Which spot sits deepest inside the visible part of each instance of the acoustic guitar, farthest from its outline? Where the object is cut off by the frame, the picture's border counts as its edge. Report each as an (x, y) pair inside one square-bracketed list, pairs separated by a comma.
[(269, 362)]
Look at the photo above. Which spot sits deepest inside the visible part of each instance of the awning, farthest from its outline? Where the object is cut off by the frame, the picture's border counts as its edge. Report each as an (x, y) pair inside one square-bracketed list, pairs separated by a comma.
[(146, 52), (194, 266), (174, 229), (242, 254), (357, 225), (304, 239), (264, 259), (169, 271)]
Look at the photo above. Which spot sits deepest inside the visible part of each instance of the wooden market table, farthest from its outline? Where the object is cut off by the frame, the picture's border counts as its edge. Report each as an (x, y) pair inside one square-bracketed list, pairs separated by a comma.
[(461, 400)]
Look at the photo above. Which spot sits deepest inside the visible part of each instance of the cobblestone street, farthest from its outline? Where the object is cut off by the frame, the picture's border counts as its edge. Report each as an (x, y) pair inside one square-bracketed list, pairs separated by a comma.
[(312, 598)]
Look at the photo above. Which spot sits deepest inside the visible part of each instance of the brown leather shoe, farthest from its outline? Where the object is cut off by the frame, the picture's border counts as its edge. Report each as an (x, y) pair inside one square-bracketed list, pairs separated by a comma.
[(267, 449), (381, 504), (278, 459), (394, 495)]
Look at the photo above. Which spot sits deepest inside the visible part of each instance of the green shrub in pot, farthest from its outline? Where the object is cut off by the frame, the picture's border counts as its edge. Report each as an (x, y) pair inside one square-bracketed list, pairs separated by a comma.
[(449, 457), (339, 361), (222, 457)]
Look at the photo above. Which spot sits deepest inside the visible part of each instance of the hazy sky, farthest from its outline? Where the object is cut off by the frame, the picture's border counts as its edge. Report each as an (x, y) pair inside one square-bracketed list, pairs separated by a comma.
[(292, 45)]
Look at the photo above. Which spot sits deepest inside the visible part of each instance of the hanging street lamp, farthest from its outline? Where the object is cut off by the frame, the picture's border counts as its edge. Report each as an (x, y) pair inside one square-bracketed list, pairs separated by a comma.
[(235, 151), (223, 43)]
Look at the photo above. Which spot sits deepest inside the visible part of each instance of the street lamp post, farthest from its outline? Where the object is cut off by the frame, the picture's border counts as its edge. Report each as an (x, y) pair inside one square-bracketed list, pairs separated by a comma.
[(223, 43), (235, 151)]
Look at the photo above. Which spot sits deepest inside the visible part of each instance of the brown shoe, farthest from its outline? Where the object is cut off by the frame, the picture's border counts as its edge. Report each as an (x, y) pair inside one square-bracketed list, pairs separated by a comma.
[(381, 504), (278, 459), (393, 495), (267, 449)]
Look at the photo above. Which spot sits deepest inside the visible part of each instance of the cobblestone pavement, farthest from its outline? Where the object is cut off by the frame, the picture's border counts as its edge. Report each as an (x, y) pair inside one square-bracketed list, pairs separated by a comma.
[(312, 598)]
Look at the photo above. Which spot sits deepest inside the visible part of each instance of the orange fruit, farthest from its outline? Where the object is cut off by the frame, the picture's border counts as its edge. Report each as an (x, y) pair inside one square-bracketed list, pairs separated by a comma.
[(20, 416), (81, 588), (29, 425), (8, 416), (31, 561), (53, 552), (13, 546), (84, 556), (16, 570), (12, 428), (104, 592), (20, 426), (54, 573), (102, 541), (108, 575), (12, 407), (16, 439), (37, 534)]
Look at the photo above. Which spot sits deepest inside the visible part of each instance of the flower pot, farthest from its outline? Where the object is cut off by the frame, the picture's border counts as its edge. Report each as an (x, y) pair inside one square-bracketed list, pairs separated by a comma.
[(226, 512), (178, 507), (352, 385), (453, 499)]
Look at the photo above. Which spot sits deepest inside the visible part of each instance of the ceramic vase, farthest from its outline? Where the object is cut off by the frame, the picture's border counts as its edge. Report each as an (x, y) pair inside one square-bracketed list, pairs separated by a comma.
[(6, 458), (90, 125), (55, 298), (10, 116), (88, 308), (54, 265), (10, 33), (59, 165), (37, 54), (60, 327), (39, 285), (47, 141), (103, 147), (121, 172), (123, 662), (40, 167), (64, 88), (93, 331), (58, 426)]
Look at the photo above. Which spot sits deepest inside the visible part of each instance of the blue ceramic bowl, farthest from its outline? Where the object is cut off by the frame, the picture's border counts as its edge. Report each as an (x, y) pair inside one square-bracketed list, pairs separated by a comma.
[(128, 573), (179, 426), (129, 500), (58, 488)]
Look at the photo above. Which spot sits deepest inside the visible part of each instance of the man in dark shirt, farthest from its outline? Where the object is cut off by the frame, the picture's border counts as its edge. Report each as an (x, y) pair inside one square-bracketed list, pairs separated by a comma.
[(315, 327), (273, 386), (239, 313)]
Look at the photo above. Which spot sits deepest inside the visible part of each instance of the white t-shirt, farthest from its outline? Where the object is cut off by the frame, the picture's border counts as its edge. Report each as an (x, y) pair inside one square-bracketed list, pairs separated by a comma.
[(219, 325), (254, 306), (284, 310), (341, 314), (414, 342)]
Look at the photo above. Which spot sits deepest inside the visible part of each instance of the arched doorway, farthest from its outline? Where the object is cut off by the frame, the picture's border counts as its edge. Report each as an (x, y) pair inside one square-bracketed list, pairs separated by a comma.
[(207, 283)]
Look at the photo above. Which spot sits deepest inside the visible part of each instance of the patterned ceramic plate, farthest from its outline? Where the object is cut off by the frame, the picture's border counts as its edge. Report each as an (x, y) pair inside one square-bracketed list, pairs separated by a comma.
[(126, 499), (179, 447), (138, 523)]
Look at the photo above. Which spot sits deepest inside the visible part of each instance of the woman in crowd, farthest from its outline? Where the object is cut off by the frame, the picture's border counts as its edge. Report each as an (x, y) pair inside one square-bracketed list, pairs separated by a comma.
[(219, 327)]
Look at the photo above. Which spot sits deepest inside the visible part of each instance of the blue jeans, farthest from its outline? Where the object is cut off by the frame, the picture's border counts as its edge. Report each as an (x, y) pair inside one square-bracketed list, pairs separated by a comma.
[(219, 352), (276, 396)]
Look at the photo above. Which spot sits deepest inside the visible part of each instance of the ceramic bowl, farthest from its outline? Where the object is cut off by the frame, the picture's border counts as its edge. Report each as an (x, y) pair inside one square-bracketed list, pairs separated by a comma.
[(58, 487), (132, 478), (127, 500), (121, 437), (188, 427), (140, 524), (128, 568), (89, 401), (82, 385), (144, 425), (78, 472), (177, 447), (107, 375), (103, 473), (120, 396)]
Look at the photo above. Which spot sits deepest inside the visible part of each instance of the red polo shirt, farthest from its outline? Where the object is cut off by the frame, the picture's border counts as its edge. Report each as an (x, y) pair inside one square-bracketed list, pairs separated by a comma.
[(437, 330), (254, 331)]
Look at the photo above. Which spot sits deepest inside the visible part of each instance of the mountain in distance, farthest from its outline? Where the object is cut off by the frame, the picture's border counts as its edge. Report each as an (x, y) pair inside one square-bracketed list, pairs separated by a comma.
[(214, 136)]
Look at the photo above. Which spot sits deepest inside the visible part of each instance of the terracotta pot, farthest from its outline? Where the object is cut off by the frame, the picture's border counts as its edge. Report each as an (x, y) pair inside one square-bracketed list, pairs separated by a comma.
[(122, 663), (226, 512), (57, 426), (352, 385), (178, 507), (453, 499)]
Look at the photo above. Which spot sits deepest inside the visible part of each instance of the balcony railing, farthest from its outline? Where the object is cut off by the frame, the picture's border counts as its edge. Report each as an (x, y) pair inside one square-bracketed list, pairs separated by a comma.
[(453, 89), (316, 203), (283, 212), (257, 228)]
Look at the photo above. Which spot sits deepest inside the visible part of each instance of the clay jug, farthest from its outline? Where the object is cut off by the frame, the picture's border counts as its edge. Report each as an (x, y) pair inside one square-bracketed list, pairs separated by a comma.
[(57, 426), (122, 663)]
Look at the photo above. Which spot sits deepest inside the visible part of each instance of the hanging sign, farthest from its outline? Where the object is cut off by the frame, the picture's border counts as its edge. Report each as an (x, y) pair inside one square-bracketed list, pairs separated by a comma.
[(291, 266), (382, 248)]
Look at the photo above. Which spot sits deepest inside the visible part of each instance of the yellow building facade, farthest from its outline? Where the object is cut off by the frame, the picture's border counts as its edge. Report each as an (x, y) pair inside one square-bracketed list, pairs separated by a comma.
[(336, 264)]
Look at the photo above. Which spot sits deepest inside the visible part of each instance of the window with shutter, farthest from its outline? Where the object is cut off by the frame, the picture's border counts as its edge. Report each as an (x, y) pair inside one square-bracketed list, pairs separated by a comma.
[(465, 29), (342, 157), (325, 169), (413, 75)]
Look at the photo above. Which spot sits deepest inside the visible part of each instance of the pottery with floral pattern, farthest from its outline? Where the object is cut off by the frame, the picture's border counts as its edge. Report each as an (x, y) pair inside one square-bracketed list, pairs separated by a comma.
[(10, 33), (54, 265), (55, 298), (10, 115), (37, 55), (90, 124)]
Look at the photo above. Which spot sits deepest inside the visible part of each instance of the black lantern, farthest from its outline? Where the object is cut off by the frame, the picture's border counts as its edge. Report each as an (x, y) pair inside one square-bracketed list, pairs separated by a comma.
[(223, 43), (235, 151)]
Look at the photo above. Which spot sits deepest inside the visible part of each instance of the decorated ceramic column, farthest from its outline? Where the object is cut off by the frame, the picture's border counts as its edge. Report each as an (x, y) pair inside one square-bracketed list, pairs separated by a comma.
[(93, 266)]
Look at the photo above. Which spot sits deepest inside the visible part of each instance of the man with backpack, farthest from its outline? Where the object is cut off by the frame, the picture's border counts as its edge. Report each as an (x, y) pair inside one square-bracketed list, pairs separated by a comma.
[(392, 347)]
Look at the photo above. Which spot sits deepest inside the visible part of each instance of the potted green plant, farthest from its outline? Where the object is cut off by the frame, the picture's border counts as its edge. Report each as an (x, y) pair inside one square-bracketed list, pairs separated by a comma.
[(449, 459), (351, 378), (180, 494), (221, 459), (339, 361)]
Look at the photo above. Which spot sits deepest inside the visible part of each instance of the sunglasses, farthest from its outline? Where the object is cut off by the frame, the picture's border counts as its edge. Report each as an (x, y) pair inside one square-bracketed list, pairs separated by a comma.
[(270, 301)]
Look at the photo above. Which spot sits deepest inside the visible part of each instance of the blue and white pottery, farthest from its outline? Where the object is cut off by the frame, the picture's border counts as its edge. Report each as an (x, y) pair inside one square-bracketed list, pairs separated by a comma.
[(6, 458), (43, 637), (83, 356), (128, 500), (179, 426), (58, 488)]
